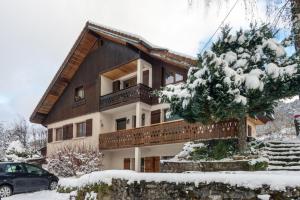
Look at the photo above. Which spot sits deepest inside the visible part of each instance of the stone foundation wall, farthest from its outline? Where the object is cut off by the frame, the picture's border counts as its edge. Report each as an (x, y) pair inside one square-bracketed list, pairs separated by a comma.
[(121, 190), (178, 167)]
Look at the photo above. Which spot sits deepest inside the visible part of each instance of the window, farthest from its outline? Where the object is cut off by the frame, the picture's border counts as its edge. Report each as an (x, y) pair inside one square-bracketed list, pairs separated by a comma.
[(34, 170), (249, 131), (79, 93), (172, 77), (129, 82), (121, 124), (143, 120), (169, 78), (168, 118), (59, 134), (14, 168), (134, 121), (81, 129)]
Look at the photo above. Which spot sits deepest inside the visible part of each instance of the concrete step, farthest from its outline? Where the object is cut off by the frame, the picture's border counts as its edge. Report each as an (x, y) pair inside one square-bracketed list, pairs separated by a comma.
[(284, 158), (283, 145), (283, 153), (283, 163), (284, 142), (288, 168), (295, 149)]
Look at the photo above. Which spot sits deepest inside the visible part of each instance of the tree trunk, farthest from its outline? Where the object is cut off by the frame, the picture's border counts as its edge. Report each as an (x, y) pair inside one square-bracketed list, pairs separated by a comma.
[(242, 135), (296, 22)]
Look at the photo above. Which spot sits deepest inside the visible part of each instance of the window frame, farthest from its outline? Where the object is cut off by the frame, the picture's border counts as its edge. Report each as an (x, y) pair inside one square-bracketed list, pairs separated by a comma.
[(62, 134), (174, 75), (77, 97), (77, 129)]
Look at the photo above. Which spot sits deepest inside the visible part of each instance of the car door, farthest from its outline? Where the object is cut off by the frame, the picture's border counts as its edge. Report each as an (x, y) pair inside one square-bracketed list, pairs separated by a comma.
[(38, 177), (17, 174)]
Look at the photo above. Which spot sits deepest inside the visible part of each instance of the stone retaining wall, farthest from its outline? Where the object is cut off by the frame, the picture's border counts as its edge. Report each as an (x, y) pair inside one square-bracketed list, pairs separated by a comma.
[(178, 167), (121, 190)]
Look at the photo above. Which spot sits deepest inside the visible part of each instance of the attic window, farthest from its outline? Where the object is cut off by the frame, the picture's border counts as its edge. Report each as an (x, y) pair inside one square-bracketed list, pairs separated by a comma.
[(79, 93)]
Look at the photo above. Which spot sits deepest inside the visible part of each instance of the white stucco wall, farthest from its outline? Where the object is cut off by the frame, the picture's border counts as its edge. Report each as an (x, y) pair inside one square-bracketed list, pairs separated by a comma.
[(106, 85), (92, 141), (114, 159)]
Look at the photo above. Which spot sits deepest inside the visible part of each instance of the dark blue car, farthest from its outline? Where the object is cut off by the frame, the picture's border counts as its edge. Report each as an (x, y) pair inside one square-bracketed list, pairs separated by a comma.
[(23, 177)]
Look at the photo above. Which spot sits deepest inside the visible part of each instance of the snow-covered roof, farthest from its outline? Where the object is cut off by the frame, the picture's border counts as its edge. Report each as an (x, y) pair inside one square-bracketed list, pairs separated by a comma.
[(154, 50)]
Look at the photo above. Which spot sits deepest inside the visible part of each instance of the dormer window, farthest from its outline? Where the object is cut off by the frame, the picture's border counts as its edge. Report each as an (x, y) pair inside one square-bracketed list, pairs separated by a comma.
[(79, 93)]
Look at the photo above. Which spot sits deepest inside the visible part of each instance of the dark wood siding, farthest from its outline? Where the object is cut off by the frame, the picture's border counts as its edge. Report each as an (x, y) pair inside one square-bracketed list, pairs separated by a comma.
[(158, 69), (106, 57), (102, 59)]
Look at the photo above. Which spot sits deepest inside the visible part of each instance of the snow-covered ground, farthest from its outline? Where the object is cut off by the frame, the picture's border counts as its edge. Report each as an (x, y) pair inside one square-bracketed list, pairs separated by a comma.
[(42, 195), (278, 180)]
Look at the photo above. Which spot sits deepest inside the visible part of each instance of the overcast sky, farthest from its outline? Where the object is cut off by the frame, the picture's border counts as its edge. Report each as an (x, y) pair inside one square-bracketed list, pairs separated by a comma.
[(36, 35)]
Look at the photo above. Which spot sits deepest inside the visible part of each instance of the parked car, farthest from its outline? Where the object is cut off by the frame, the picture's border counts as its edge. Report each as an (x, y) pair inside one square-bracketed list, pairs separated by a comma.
[(23, 177)]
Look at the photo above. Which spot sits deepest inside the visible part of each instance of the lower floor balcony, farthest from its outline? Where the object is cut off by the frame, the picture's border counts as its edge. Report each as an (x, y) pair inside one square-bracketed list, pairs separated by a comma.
[(167, 133)]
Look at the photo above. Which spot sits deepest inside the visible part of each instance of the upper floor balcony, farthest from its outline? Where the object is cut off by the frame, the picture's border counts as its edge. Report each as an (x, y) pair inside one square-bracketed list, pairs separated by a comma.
[(136, 93), (128, 83)]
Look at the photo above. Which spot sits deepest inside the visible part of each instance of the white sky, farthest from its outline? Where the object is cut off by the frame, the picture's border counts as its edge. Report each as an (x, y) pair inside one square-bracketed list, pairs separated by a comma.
[(36, 35)]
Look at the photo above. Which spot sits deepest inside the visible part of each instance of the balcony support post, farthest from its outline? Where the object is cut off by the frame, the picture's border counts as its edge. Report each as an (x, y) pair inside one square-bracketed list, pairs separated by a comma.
[(150, 77), (138, 113), (137, 159), (139, 71)]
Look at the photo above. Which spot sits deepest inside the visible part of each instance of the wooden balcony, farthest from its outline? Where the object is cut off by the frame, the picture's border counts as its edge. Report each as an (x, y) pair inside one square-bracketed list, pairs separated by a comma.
[(166, 133), (139, 92)]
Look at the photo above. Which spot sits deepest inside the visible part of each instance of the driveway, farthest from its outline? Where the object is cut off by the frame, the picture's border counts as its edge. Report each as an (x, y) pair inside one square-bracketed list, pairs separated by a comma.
[(46, 195)]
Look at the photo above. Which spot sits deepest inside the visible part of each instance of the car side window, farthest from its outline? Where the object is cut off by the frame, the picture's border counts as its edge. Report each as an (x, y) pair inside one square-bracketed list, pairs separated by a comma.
[(14, 168), (2, 168), (34, 170)]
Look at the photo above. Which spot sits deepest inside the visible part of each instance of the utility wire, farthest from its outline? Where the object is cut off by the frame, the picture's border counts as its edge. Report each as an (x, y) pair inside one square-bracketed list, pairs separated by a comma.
[(219, 26)]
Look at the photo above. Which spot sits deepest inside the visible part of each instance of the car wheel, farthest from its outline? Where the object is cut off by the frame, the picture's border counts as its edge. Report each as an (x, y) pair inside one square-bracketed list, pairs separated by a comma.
[(5, 191), (53, 185)]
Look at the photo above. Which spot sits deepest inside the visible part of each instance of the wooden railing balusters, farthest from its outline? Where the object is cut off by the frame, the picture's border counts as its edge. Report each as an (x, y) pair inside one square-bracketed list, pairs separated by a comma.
[(167, 133)]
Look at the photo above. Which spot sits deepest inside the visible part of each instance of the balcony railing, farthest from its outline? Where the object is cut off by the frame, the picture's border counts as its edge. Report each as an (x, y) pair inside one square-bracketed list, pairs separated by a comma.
[(139, 92), (167, 133)]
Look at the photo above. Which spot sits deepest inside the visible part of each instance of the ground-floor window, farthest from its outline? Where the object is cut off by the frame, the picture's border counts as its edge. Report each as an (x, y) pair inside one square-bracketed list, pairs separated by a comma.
[(59, 134), (81, 129)]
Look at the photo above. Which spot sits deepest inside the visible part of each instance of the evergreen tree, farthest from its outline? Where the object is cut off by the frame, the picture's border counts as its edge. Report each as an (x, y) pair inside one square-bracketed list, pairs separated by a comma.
[(243, 74)]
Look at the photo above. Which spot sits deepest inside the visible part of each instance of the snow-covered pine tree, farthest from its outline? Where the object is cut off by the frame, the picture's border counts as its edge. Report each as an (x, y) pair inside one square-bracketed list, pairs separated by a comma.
[(243, 74)]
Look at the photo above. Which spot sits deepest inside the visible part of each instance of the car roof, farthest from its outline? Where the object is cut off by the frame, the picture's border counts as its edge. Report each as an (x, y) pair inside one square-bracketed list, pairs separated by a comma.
[(6, 162)]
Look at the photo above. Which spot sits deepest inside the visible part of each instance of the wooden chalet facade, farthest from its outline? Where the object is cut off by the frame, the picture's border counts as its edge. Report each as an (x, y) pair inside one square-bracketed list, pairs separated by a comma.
[(102, 97)]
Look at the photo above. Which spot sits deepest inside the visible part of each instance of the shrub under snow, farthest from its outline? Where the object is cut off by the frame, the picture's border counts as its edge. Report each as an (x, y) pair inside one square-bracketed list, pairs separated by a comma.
[(17, 152), (75, 161)]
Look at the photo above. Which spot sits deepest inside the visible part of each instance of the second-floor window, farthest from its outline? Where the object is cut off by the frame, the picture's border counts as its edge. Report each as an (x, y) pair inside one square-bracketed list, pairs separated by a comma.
[(59, 134), (79, 93), (172, 77), (81, 129)]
